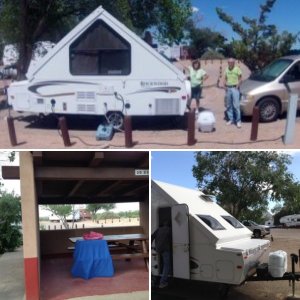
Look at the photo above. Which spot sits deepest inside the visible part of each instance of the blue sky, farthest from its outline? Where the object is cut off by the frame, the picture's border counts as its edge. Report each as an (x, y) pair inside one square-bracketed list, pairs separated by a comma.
[(176, 167), (285, 13)]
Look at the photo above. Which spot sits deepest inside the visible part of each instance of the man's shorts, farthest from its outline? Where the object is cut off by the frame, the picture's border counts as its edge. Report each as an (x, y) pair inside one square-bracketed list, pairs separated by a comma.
[(196, 93)]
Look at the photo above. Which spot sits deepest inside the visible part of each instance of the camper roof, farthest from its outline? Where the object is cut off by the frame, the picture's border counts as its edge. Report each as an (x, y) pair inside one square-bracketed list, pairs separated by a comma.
[(99, 14)]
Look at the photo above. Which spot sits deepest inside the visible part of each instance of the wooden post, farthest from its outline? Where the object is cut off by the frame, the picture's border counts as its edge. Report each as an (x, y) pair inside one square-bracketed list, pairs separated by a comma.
[(11, 131), (255, 122), (128, 132), (64, 131), (191, 128)]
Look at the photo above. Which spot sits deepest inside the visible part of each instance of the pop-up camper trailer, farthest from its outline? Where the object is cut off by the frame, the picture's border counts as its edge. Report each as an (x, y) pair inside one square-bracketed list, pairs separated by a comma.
[(208, 244), (102, 68)]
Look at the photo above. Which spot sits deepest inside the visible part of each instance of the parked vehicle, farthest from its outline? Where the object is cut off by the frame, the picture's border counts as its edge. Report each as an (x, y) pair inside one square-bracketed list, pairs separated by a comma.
[(258, 230), (75, 216), (208, 244), (102, 68), (290, 221), (269, 88)]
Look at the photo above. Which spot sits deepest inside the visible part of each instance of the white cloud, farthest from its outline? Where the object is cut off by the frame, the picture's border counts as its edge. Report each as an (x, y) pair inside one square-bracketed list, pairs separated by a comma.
[(195, 9)]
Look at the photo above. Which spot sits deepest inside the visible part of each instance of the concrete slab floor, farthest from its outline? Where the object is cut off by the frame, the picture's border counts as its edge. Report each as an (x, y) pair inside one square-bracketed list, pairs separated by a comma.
[(144, 295), (12, 275)]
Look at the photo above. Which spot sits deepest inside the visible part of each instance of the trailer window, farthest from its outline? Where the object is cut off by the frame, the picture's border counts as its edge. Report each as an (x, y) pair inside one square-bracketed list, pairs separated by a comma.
[(233, 221), (211, 222), (100, 51)]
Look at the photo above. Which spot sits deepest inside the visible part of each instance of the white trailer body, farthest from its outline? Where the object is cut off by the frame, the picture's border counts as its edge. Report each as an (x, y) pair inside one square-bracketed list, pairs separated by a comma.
[(206, 246), (290, 221), (102, 68), (73, 216)]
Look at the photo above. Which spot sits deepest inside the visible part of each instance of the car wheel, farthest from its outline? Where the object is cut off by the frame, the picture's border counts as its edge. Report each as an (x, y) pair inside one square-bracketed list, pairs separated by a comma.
[(269, 109), (116, 119), (257, 234)]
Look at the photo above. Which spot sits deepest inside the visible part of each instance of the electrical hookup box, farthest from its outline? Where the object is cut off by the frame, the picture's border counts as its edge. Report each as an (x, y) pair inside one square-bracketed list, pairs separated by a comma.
[(104, 132)]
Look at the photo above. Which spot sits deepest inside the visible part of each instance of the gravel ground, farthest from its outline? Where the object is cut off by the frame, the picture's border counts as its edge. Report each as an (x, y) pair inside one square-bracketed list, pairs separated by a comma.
[(151, 133), (284, 239)]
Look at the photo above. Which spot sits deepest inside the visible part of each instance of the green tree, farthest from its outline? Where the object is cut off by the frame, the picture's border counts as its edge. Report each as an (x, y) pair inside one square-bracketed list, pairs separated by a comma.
[(10, 218), (94, 207), (259, 43), (62, 211), (24, 22), (204, 39), (244, 182)]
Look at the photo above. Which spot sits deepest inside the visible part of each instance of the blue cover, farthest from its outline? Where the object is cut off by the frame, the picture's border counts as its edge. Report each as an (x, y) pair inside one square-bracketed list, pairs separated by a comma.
[(92, 259)]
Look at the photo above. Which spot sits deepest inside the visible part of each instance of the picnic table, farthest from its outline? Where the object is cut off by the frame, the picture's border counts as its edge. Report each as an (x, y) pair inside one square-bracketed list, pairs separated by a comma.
[(129, 246)]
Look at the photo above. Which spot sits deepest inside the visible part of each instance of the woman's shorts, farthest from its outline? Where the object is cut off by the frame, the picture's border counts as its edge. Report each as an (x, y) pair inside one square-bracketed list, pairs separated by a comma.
[(196, 93)]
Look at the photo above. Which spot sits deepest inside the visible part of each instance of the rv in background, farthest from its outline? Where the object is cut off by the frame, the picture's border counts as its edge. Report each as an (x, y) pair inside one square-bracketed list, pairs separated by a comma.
[(208, 244), (102, 68), (290, 221)]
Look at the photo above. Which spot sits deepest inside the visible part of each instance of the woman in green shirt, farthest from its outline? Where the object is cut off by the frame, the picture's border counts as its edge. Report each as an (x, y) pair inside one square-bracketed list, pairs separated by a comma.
[(197, 77)]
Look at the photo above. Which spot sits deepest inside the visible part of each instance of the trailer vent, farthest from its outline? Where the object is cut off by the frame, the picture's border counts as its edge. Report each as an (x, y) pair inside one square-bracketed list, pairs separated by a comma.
[(86, 108), (167, 107), (89, 96)]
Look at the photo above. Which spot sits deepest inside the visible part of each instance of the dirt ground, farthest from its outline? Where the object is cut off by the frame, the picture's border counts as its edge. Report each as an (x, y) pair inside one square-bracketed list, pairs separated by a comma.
[(151, 133), (284, 239)]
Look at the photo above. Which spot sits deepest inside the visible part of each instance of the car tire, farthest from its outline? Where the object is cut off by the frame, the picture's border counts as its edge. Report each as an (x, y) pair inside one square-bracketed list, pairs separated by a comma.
[(269, 109), (257, 234)]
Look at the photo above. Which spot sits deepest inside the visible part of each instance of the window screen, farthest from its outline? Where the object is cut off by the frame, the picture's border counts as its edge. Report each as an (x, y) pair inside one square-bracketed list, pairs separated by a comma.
[(233, 221), (100, 51), (211, 222)]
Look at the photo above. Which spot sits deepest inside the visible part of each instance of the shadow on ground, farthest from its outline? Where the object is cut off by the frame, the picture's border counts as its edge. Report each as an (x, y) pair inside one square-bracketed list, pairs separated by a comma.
[(195, 290)]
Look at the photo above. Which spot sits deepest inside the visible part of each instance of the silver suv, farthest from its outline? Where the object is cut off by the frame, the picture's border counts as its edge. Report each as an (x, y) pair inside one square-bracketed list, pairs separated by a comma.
[(268, 88), (258, 230)]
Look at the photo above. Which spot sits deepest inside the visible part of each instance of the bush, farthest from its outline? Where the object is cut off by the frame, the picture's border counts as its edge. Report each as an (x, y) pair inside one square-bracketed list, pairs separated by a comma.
[(10, 218), (212, 54)]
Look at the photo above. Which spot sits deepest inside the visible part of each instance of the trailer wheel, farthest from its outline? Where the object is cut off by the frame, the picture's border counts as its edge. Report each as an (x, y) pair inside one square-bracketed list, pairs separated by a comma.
[(116, 119), (257, 233)]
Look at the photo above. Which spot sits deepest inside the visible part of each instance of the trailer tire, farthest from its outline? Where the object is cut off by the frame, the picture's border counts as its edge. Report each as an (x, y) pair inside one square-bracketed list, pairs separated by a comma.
[(116, 119), (224, 290), (257, 234)]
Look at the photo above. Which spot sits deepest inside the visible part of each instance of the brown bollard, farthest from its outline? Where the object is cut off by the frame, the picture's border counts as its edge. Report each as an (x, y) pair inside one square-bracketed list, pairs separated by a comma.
[(128, 132), (255, 122), (64, 131), (191, 128), (11, 131)]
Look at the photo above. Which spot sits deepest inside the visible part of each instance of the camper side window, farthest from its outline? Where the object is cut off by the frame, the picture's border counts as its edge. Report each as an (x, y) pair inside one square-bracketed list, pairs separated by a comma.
[(100, 51), (211, 222), (233, 221)]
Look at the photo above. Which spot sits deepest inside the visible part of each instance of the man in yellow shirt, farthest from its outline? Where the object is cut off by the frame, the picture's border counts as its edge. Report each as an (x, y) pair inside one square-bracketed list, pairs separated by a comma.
[(197, 77), (233, 77)]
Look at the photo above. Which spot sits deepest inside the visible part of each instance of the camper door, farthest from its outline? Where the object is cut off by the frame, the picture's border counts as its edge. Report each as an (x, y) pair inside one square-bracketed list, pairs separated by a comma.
[(181, 242)]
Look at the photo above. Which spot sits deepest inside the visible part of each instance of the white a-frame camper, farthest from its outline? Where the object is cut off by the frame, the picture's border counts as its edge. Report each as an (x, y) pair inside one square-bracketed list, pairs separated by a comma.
[(208, 244), (102, 68)]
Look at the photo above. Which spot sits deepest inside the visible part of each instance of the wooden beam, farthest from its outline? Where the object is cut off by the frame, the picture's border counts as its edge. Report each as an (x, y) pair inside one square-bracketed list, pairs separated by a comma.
[(75, 188), (10, 172), (109, 188), (144, 162), (137, 189), (97, 159), (37, 158), (77, 173), (85, 200)]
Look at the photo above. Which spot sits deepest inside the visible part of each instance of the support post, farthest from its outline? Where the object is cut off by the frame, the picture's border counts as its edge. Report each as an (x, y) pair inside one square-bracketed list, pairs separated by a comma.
[(191, 128), (128, 132), (255, 122), (64, 131), (11, 131), (291, 120)]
